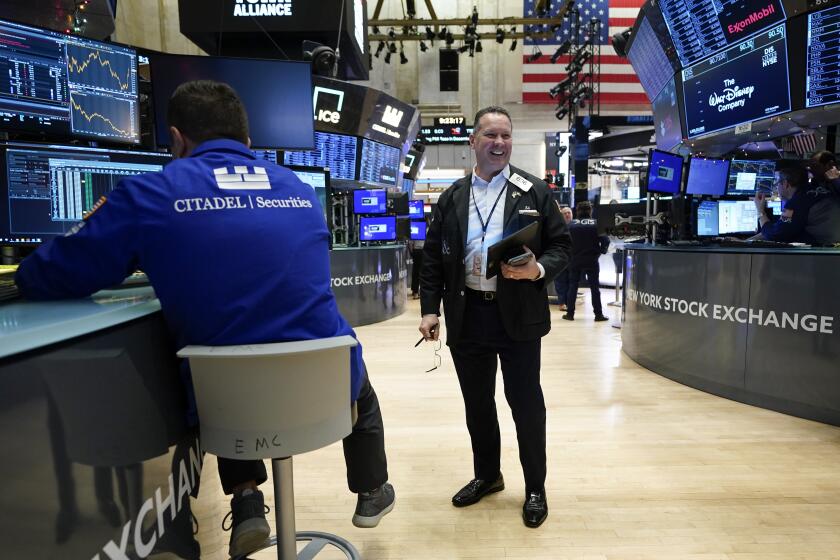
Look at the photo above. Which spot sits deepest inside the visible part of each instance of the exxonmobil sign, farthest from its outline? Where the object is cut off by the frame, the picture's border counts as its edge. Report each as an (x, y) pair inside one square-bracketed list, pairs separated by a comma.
[(750, 18)]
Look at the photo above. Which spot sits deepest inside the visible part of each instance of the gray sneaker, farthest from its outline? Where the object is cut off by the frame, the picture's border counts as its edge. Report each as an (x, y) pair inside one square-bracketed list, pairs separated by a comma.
[(373, 506), (250, 528)]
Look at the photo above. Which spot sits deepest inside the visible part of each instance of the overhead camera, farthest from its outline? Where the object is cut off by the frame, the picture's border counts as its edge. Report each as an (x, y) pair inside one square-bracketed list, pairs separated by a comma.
[(324, 59)]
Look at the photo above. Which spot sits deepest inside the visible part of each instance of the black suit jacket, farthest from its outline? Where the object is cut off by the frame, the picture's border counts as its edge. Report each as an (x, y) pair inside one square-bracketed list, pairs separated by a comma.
[(523, 303)]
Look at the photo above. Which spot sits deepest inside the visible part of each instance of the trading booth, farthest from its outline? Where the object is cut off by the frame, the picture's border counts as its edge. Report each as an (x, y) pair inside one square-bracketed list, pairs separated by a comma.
[(94, 418), (706, 302)]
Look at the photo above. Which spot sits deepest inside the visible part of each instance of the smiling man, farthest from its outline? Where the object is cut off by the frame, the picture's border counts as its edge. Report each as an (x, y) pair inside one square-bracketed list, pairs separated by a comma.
[(502, 318)]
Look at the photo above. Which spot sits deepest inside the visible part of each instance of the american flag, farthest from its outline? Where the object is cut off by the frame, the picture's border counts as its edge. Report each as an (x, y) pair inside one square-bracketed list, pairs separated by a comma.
[(618, 83)]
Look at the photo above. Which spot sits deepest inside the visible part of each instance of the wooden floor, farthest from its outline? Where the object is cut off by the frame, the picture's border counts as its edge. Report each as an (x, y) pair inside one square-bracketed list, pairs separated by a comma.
[(638, 466)]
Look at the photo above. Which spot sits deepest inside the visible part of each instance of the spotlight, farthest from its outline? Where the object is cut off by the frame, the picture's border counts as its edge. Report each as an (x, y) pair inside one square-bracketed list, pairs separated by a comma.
[(392, 48), (449, 38), (560, 151), (430, 35), (535, 54), (392, 33), (561, 113), (478, 47), (403, 59), (379, 49), (500, 35), (388, 57), (423, 47), (513, 45), (375, 30), (561, 50), (463, 48), (442, 34)]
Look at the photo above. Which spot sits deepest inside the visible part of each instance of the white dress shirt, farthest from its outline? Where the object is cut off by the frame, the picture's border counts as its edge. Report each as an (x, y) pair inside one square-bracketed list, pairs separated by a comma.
[(484, 196)]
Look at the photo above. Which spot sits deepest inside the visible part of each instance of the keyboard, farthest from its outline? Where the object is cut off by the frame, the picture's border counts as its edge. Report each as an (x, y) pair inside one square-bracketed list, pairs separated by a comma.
[(8, 288), (756, 244)]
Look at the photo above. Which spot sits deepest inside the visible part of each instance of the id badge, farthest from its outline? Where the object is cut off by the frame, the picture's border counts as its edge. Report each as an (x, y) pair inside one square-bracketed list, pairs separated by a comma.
[(476, 265)]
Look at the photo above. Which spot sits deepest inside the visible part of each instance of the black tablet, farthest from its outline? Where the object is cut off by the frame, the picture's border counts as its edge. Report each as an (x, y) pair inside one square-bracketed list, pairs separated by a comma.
[(509, 247)]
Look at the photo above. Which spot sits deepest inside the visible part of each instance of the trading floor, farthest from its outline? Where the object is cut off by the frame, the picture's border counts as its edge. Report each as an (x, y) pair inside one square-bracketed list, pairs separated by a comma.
[(640, 467)]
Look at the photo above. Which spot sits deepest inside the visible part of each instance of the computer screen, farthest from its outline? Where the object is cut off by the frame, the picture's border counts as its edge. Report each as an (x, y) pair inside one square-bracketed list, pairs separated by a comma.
[(664, 172), (737, 216), (701, 28), (380, 163), (822, 85), (370, 202), (707, 219), (318, 179), (418, 230), (65, 85), (746, 177), (666, 117), (415, 209), (648, 58), (746, 82), (265, 155), (335, 151), (46, 190), (776, 206), (277, 95), (378, 229), (408, 186), (707, 176)]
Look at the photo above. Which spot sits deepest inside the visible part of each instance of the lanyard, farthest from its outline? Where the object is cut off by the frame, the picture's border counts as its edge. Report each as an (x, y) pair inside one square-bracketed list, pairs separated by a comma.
[(485, 225)]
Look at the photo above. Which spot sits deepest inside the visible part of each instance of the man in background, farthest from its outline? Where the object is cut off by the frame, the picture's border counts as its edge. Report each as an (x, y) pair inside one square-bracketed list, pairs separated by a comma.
[(587, 248), (561, 282)]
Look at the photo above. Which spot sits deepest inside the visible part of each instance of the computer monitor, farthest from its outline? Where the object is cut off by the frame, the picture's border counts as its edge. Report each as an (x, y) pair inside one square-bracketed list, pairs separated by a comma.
[(397, 203), (415, 209), (776, 206), (707, 219), (265, 155), (379, 164), (378, 229), (64, 85), (370, 202), (664, 172), (822, 86), (408, 186), (418, 230), (277, 95), (737, 216), (319, 180), (335, 151), (746, 177), (403, 228), (707, 176), (46, 190)]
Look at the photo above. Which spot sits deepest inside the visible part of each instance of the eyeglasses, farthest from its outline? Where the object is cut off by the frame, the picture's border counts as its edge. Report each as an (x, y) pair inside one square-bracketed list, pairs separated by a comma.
[(437, 358)]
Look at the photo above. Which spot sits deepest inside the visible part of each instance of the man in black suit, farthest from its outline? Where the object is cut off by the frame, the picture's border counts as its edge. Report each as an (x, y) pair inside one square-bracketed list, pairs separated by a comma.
[(503, 317), (587, 247)]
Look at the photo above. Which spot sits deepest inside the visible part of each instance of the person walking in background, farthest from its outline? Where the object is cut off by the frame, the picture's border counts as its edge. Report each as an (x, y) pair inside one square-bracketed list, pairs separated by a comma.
[(561, 283), (587, 247)]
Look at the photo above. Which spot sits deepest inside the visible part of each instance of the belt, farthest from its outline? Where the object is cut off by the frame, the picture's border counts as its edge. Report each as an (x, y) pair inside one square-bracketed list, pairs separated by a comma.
[(484, 296)]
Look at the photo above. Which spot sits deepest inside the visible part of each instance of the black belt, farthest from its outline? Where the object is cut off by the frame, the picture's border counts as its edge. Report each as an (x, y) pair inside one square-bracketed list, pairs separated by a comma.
[(483, 296)]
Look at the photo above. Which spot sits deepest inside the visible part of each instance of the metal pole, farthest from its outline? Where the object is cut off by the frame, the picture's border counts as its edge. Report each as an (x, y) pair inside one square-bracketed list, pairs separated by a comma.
[(284, 508)]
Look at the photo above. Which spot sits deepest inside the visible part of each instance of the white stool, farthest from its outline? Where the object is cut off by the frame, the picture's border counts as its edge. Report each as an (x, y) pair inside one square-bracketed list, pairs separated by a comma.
[(272, 401)]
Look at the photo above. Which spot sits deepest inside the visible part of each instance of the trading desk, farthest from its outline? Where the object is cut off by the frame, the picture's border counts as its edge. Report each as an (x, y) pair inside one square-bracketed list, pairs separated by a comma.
[(760, 326)]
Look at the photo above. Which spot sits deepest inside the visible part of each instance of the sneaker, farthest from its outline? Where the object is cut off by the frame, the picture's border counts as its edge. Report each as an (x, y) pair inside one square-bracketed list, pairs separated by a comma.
[(250, 528), (373, 506)]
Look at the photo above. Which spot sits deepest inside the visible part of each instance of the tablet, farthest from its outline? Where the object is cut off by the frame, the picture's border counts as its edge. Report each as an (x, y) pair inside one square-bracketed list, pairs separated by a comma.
[(509, 247)]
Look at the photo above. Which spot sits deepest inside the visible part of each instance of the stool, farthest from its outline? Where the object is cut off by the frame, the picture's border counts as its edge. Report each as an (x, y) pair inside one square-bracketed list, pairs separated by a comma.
[(272, 401)]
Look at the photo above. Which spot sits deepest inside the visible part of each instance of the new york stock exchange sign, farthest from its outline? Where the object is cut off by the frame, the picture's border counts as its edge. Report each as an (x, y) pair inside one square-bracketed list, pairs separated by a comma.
[(248, 8)]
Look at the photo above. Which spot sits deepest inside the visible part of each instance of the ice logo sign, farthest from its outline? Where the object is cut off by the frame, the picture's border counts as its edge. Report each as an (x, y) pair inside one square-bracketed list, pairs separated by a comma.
[(732, 97), (326, 115), (251, 8)]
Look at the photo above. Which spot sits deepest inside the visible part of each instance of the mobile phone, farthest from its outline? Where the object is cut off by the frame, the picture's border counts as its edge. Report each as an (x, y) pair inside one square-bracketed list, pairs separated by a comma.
[(519, 259)]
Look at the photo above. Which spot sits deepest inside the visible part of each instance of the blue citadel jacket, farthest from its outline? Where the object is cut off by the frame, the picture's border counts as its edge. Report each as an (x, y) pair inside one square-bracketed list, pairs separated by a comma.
[(236, 249)]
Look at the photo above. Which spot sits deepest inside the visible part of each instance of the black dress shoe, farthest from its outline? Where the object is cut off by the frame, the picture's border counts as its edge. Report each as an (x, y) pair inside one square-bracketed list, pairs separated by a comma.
[(535, 509), (477, 489)]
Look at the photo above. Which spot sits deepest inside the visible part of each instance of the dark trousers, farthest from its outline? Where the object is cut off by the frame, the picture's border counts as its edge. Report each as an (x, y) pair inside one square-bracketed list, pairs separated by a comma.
[(591, 274), (561, 286), (482, 340), (364, 452), (417, 257)]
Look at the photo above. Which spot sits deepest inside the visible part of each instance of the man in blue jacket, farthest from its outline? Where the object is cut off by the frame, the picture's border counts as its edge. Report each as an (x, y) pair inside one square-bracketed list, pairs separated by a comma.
[(237, 251)]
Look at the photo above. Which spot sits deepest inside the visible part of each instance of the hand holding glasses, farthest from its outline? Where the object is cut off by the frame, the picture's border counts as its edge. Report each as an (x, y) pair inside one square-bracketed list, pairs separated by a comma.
[(437, 347)]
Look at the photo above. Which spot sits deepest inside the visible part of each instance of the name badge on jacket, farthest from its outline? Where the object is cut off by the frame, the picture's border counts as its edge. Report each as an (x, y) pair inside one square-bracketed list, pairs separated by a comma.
[(521, 182)]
